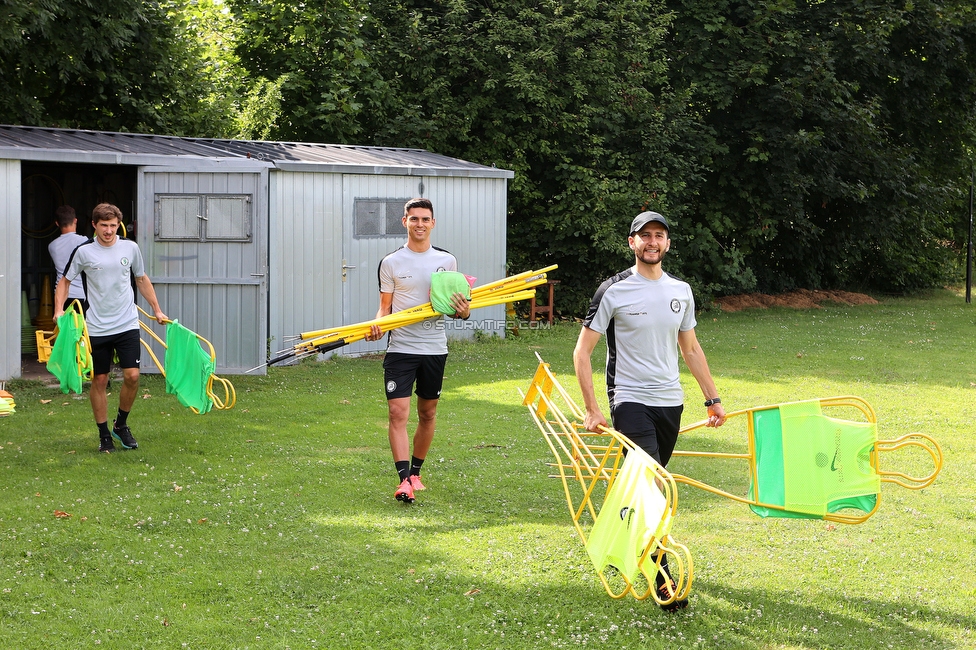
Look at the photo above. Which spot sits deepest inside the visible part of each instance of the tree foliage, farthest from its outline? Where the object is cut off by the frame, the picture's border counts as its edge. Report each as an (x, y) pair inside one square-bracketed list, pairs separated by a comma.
[(839, 137), (792, 143), (313, 68), (573, 96), (117, 65)]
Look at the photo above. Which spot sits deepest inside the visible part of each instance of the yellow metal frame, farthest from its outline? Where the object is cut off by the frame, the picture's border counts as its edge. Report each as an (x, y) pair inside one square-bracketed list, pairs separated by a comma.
[(45, 344), (45, 339), (921, 440), (591, 461), (221, 403)]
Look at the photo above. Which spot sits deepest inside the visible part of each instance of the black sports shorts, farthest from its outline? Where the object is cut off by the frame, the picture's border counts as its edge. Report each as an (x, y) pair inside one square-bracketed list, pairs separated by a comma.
[(82, 301), (125, 345), (652, 428), (400, 370)]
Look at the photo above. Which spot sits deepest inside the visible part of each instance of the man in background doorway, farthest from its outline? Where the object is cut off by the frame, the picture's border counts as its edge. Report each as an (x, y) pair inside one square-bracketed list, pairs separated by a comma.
[(62, 248)]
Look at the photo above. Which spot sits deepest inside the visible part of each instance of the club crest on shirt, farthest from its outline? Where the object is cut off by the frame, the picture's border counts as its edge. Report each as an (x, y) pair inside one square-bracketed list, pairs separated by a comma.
[(675, 305), (125, 261)]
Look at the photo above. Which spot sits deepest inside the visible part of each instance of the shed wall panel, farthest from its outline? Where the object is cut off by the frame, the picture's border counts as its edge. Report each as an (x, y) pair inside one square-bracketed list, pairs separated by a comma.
[(305, 254), (471, 223), (10, 289), (361, 286)]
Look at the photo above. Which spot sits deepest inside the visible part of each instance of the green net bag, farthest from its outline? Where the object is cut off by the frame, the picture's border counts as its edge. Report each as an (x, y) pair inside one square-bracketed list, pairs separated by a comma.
[(71, 360), (445, 284), (188, 368)]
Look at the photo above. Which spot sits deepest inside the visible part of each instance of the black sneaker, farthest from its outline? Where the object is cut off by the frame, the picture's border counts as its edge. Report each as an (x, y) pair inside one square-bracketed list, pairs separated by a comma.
[(105, 445), (124, 436), (665, 590)]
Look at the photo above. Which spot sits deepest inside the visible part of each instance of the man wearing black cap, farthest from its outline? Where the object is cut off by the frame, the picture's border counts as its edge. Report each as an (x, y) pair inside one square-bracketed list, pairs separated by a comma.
[(647, 316)]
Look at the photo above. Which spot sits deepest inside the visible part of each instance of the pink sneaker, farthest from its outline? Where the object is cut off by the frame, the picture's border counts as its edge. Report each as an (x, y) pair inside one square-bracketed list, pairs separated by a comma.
[(415, 482), (404, 492)]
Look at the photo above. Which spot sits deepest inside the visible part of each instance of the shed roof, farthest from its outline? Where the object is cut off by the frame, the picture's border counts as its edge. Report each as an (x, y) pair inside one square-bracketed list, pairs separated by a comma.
[(102, 147)]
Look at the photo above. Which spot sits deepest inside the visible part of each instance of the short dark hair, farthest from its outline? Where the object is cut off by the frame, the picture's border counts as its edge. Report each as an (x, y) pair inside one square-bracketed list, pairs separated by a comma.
[(65, 216), (106, 212), (418, 203)]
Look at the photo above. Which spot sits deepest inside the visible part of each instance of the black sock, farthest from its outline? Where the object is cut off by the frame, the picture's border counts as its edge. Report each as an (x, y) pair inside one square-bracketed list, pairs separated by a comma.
[(103, 431), (120, 421), (664, 567), (403, 469), (415, 464)]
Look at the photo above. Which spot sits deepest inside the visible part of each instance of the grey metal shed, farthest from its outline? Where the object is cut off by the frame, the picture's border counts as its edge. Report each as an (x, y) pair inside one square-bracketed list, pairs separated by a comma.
[(246, 242)]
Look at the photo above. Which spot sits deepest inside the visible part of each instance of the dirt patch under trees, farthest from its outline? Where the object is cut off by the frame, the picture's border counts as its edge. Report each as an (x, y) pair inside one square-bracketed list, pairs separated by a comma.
[(799, 299)]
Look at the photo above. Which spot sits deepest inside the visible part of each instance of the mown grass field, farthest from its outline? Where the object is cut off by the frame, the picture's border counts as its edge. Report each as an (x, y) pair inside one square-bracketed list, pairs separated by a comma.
[(272, 525)]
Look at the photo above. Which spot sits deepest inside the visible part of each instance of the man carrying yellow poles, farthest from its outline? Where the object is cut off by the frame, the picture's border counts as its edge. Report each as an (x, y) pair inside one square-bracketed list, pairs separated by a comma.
[(189, 369), (804, 464), (621, 500)]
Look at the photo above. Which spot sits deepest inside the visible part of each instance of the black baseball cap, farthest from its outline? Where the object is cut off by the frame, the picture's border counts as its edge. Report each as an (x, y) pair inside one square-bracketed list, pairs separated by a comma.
[(645, 218)]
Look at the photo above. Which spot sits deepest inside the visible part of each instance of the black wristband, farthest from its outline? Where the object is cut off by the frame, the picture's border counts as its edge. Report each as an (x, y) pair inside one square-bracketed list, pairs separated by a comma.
[(714, 400)]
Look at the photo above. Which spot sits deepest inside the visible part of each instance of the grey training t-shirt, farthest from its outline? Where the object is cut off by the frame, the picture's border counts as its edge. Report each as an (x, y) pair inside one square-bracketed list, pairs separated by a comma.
[(108, 274), (406, 274), (60, 250), (641, 319)]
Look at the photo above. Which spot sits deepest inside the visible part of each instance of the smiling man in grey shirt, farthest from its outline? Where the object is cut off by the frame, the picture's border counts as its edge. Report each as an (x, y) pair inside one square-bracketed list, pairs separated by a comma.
[(647, 316), (417, 353)]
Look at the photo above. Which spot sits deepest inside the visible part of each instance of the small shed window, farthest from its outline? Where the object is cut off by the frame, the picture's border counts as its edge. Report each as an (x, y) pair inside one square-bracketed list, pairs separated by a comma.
[(379, 217), (203, 217)]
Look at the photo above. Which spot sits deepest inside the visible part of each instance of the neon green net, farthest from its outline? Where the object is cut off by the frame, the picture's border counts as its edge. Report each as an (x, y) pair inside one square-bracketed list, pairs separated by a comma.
[(188, 368), (71, 360), (810, 464), (445, 284), (632, 513)]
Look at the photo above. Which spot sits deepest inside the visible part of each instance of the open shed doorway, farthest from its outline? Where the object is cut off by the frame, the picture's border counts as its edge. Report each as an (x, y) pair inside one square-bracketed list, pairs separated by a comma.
[(45, 187)]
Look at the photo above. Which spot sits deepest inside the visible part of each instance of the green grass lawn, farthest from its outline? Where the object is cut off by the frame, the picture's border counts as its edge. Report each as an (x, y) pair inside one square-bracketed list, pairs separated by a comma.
[(273, 525)]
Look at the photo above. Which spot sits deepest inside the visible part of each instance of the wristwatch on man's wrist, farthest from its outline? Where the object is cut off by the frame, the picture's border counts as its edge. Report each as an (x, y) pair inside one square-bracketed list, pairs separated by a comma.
[(714, 400)]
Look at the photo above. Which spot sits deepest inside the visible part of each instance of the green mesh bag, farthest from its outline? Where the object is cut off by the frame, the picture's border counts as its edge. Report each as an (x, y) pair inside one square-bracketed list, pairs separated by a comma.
[(445, 284), (70, 360), (188, 368), (811, 464)]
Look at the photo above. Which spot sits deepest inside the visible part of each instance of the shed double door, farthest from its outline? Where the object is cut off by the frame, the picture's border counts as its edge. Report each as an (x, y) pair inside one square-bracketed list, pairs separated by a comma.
[(204, 237)]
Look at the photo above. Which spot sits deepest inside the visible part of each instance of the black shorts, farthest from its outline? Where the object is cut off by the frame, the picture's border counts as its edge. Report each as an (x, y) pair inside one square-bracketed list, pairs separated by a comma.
[(82, 301), (125, 345), (400, 370), (652, 428)]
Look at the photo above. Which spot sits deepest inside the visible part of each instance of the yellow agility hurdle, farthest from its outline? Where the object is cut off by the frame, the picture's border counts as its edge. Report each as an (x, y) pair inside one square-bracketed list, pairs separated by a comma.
[(621, 500), (804, 464), (189, 369)]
